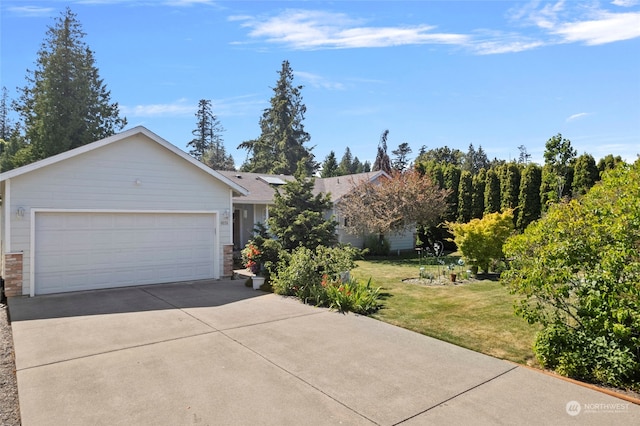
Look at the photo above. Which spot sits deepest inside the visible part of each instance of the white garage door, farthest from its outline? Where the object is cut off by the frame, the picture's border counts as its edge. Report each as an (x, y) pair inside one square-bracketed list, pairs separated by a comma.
[(82, 251)]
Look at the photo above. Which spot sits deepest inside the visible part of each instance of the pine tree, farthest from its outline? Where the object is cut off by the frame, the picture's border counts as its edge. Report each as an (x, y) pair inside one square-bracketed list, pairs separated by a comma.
[(207, 144), (281, 144), (382, 158), (330, 166), (401, 160), (65, 103), (297, 217), (530, 207), (346, 163)]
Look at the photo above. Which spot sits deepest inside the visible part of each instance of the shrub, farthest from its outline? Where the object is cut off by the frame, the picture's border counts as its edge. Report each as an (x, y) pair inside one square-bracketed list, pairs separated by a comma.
[(316, 277), (576, 271)]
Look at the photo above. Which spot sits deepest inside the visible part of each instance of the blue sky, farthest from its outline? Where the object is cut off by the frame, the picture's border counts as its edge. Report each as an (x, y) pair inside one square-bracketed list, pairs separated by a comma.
[(497, 74)]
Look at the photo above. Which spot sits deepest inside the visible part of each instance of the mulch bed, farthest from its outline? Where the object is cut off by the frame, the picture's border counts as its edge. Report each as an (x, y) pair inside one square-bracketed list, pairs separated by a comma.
[(9, 406)]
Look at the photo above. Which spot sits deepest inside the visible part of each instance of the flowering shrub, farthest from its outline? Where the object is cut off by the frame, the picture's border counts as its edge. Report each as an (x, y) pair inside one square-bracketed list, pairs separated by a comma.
[(251, 257), (316, 277)]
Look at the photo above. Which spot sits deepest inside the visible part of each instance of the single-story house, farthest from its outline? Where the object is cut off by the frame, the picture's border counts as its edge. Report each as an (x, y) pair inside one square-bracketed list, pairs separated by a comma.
[(254, 208), (127, 210)]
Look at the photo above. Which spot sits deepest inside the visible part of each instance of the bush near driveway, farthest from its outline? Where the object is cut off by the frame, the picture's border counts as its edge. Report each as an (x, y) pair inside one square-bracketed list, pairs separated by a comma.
[(577, 273), (320, 277)]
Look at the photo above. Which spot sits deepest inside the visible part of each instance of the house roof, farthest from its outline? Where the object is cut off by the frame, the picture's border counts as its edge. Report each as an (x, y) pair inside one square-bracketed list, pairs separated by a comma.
[(262, 186), (340, 186), (237, 188)]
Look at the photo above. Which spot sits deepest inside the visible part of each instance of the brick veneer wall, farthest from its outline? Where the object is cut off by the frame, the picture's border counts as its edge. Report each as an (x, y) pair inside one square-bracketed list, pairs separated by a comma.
[(228, 260), (13, 274)]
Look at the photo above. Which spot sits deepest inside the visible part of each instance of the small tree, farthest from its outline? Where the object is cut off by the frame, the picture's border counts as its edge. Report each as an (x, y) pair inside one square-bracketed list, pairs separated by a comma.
[(393, 205), (298, 217), (481, 240)]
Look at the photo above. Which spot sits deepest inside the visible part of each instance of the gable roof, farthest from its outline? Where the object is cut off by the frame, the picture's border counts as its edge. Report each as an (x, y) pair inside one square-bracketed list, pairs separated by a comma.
[(262, 186), (237, 188)]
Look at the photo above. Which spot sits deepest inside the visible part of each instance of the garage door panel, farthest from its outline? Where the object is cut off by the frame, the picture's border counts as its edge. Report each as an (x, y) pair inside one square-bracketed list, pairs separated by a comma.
[(76, 251)]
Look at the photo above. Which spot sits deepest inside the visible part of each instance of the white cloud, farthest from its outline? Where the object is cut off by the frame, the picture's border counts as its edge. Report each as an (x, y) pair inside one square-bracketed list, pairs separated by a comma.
[(625, 3), (606, 28), (31, 11), (312, 29), (318, 81), (578, 116), (178, 108)]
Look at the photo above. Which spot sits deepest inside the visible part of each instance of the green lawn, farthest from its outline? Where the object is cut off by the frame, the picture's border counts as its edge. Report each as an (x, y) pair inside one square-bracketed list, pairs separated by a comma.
[(475, 314)]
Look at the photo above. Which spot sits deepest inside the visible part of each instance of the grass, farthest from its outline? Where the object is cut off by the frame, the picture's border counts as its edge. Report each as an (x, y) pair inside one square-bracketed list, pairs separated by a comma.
[(475, 314)]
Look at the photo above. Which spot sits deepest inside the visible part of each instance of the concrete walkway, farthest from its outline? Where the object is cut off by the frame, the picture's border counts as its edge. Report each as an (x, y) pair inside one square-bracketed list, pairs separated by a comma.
[(218, 353)]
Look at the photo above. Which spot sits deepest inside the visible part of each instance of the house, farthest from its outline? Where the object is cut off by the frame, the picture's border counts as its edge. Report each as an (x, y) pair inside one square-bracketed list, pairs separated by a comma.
[(254, 208), (127, 210)]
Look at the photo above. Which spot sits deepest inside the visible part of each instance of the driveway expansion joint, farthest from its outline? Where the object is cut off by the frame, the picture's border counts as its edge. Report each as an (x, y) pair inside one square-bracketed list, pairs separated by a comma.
[(278, 366), (457, 395)]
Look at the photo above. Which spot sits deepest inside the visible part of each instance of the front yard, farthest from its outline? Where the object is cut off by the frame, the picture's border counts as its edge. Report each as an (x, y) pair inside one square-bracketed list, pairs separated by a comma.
[(475, 314)]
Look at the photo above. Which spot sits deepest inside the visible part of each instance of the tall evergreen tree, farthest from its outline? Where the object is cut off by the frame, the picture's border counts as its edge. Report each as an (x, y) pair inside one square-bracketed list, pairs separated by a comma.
[(529, 198), (357, 166), (6, 125), (281, 144), (465, 197), (452, 183), (585, 174), (477, 200), (207, 144), (492, 192), (297, 217), (346, 163), (401, 157), (509, 185), (382, 158), (330, 166), (65, 103), (474, 160)]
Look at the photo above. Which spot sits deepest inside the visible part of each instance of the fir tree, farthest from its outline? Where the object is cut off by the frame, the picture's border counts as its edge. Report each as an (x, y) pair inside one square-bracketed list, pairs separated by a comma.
[(65, 103), (297, 216), (492, 192), (330, 166), (281, 145)]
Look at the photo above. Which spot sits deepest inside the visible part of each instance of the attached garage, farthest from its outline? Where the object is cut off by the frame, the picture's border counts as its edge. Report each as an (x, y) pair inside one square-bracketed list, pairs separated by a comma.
[(90, 250), (129, 210)]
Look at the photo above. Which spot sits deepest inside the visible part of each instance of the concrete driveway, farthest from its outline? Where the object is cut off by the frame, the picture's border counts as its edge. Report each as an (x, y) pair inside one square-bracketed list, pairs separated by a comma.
[(218, 353)]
